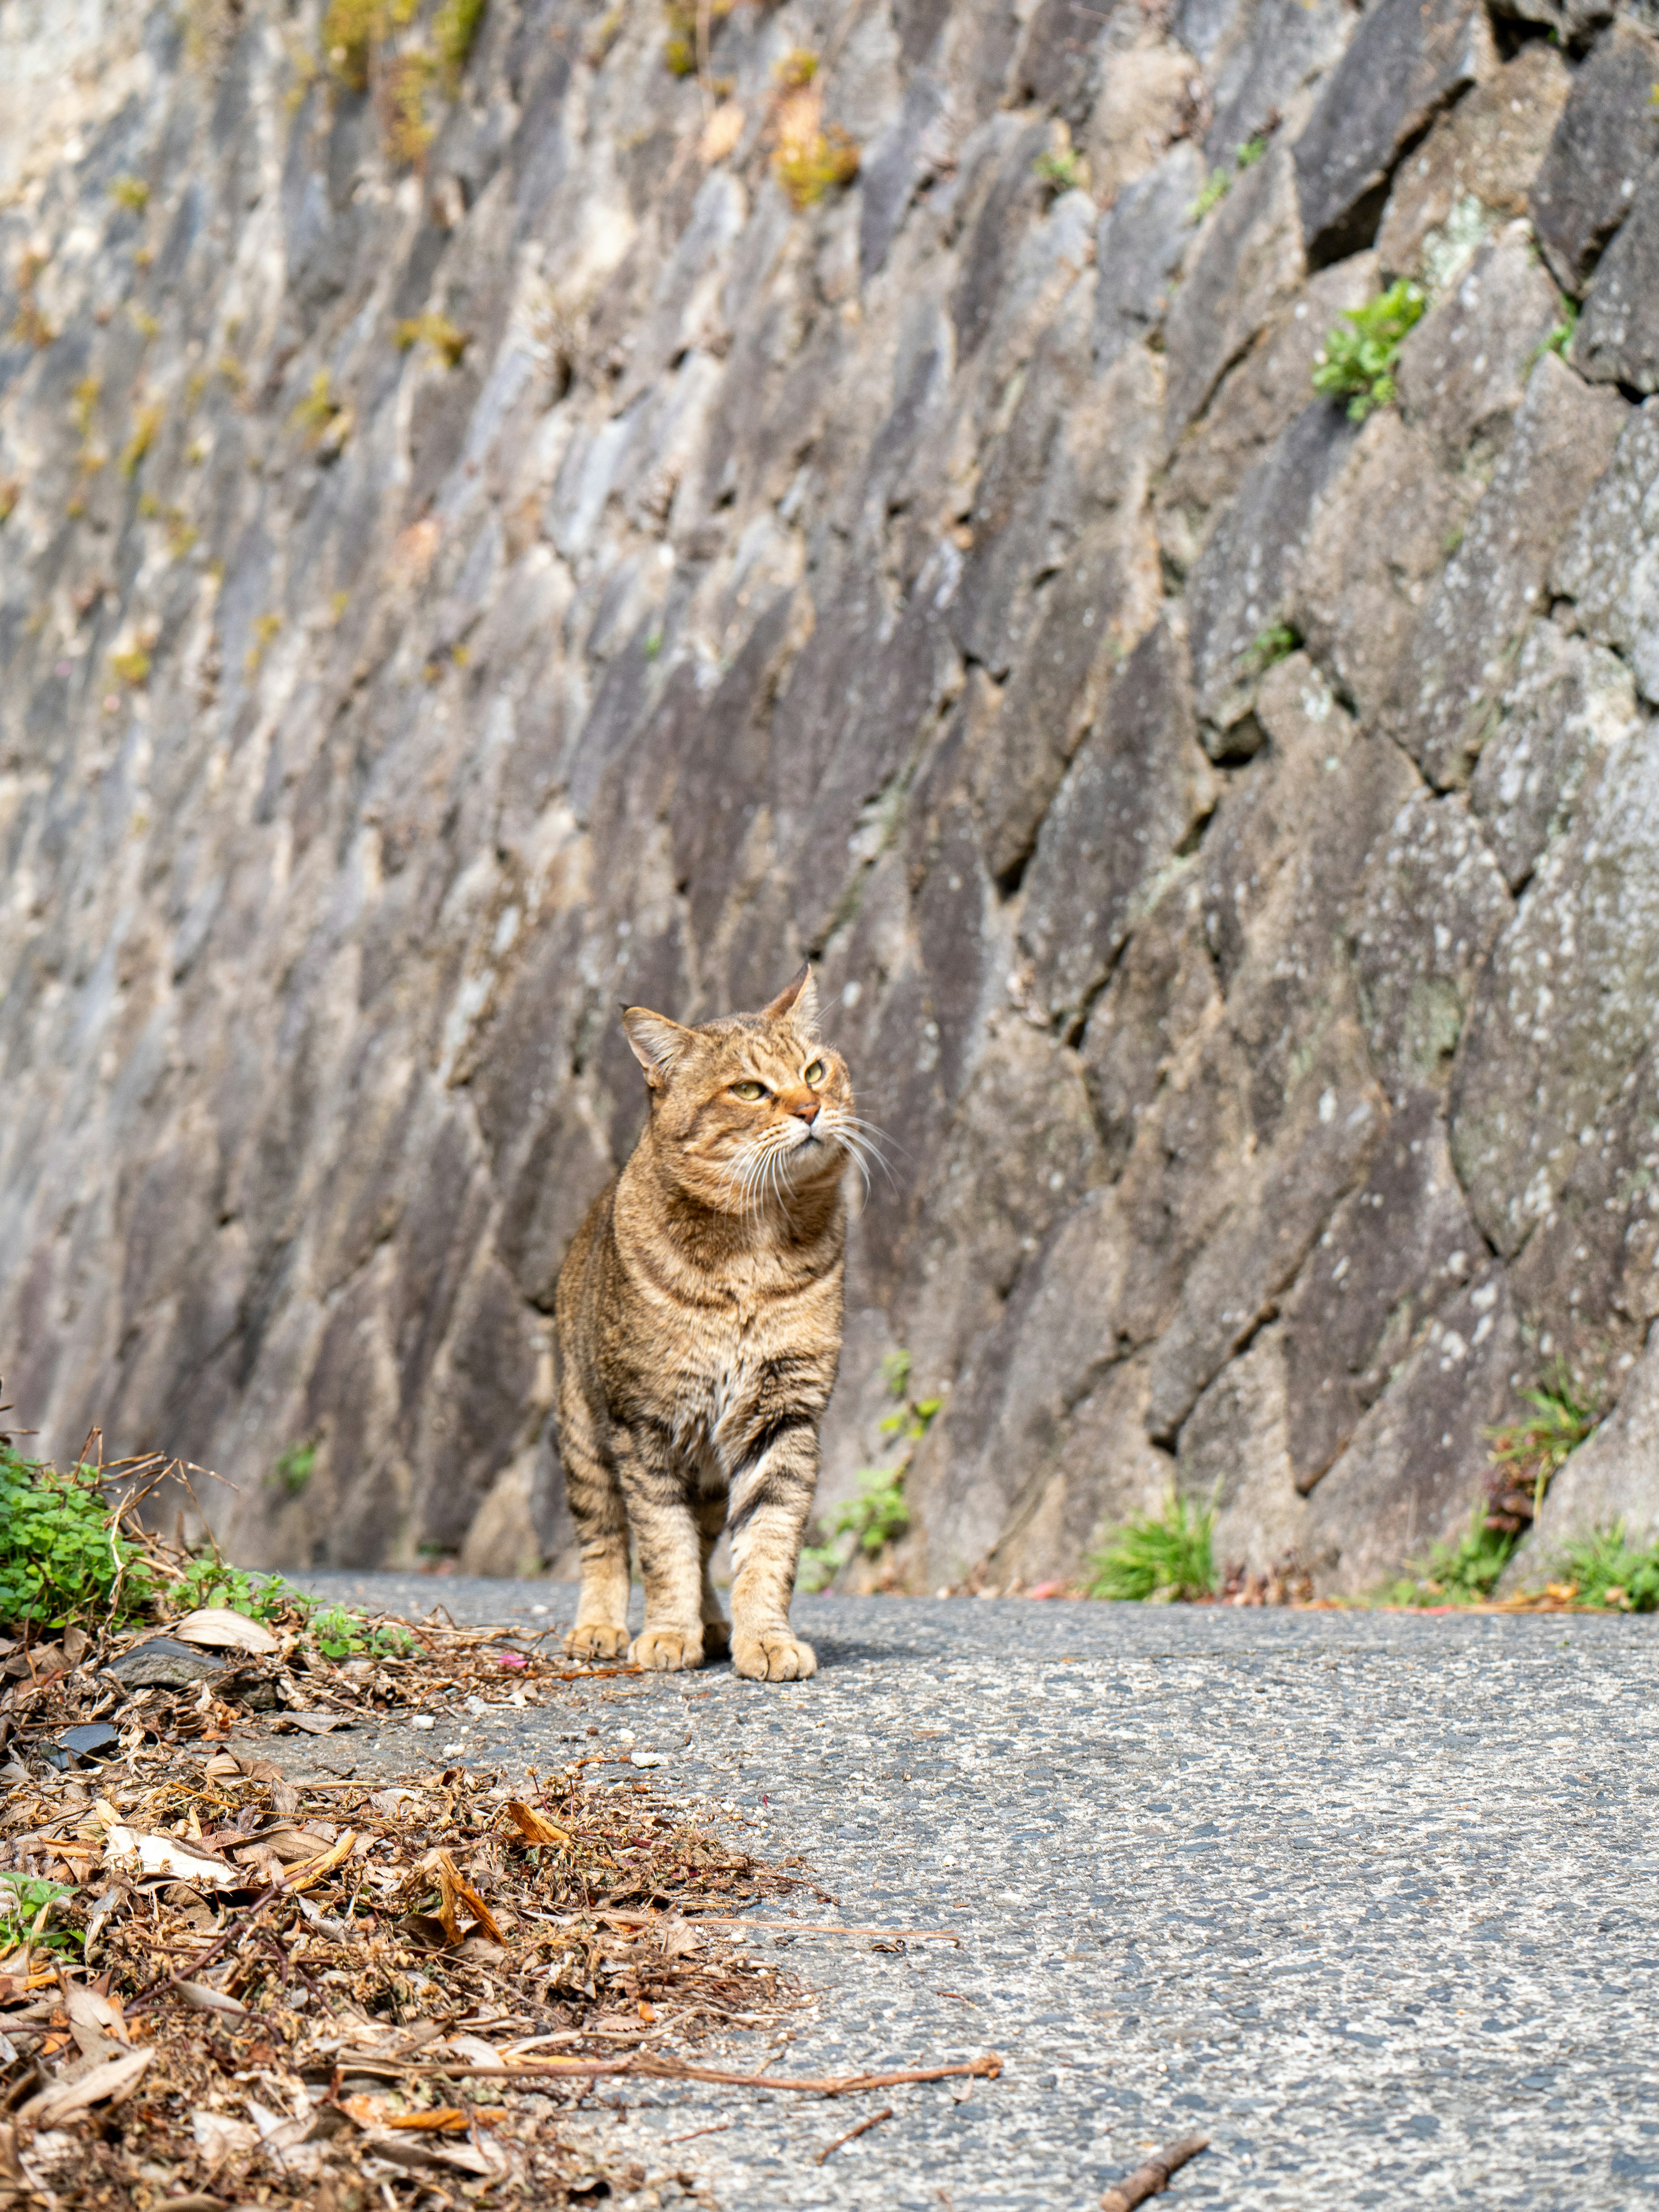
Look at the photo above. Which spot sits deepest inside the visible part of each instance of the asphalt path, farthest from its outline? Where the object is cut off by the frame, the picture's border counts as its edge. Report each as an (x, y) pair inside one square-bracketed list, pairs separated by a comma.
[(1368, 1898)]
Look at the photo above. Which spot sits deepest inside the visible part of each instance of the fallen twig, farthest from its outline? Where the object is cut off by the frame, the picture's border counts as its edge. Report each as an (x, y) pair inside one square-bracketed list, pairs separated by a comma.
[(238, 1924), (1148, 2180), (986, 2067), (863, 2128), (717, 2128)]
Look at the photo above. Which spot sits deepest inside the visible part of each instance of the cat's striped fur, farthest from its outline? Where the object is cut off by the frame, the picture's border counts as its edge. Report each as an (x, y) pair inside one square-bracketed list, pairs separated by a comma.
[(698, 1320)]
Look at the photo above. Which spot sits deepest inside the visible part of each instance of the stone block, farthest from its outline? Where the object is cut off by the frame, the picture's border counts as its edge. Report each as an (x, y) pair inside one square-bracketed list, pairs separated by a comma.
[(1408, 60), (1617, 340), (1586, 1280), (1274, 48), (1565, 1007), (1475, 169), (1130, 799), (1609, 562), (1376, 542), (1244, 266), (1242, 584), (1235, 1282), (1395, 1251), (1269, 807), (1607, 134), (1234, 1455), (1256, 400), (1568, 703), (1613, 1477), (1138, 248), (1411, 1476), (1463, 370), (1563, 438), (1433, 906), (1160, 992)]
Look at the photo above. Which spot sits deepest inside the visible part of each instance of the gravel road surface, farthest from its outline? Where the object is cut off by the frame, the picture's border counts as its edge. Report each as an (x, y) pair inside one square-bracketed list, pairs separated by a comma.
[(1368, 1898)]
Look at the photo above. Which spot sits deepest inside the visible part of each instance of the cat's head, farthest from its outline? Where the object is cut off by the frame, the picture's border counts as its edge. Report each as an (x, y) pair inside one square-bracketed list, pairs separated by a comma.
[(751, 1108)]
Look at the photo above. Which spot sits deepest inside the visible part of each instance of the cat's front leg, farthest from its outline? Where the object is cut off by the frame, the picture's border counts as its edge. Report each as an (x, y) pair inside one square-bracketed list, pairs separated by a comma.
[(662, 1498), (771, 1499)]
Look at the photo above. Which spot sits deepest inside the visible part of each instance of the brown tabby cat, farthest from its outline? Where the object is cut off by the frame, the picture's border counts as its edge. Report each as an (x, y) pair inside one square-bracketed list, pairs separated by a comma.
[(698, 1322)]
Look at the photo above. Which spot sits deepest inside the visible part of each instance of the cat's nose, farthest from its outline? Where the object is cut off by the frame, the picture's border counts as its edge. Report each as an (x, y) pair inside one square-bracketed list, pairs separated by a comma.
[(805, 1109)]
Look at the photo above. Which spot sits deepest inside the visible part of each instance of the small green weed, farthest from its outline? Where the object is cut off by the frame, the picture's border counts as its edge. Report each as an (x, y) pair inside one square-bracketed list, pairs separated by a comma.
[(342, 1634), (210, 1582), (1217, 186), (147, 422), (1356, 363), (446, 339), (318, 413), (454, 29), (61, 1557), (1275, 643), (1159, 1556), (1250, 153), (1461, 1573), (1526, 1455), (130, 667), (131, 192), (878, 1515), (1606, 1571), (293, 1470), (1062, 171), (26, 1905), (1560, 336)]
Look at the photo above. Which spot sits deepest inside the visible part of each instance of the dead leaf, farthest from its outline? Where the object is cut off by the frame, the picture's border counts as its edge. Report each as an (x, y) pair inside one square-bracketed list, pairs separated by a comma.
[(86, 2008), (115, 2079), (534, 1826), (375, 2112), (308, 1873), (218, 2137), (454, 1884), (163, 1855), (314, 1723), (200, 1997), (220, 1629)]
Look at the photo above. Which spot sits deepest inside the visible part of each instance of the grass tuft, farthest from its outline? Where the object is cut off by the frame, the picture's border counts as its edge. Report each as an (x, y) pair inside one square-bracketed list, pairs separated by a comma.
[(1528, 1455), (1356, 362), (1159, 1556)]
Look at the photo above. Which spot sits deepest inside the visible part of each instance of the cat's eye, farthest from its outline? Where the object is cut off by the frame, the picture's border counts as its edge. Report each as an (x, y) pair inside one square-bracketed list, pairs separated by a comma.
[(815, 1073), (750, 1090)]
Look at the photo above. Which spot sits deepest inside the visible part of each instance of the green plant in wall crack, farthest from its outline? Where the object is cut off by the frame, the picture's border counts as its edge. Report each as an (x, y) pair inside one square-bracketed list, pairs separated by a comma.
[(1528, 1455), (1356, 361), (877, 1515), (293, 1470), (1158, 1558), (1603, 1569), (1461, 1573)]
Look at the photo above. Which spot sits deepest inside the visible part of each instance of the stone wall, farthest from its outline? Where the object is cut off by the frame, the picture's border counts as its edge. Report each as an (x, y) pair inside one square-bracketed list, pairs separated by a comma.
[(478, 551)]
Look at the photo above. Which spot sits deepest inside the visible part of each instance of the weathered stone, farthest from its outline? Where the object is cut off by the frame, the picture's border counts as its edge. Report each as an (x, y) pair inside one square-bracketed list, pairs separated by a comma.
[(1613, 1477), (1407, 61), (1433, 906), (1609, 563), (1142, 104), (1256, 400), (1234, 1456), (163, 1663), (1159, 995), (1586, 1280), (1244, 266), (1563, 438), (1394, 1252), (1476, 168), (1138, 248), (1463, 370), (1607, 135), (1241, 586), (1566, 1005), (1272, 49), (1255, 1253), (1411, 1474), (1090, 615), (1129, 801), (1356, 594), (1268, 809), (1568, 703), (1617, 340)]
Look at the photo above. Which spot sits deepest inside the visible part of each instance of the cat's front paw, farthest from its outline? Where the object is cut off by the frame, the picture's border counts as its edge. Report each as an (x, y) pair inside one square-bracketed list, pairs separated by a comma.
[(774, 1655), (665, 1650), (596, 1640)]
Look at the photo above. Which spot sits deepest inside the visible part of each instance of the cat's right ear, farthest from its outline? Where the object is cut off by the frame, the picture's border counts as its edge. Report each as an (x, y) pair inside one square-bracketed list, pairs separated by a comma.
[(657, 1043)]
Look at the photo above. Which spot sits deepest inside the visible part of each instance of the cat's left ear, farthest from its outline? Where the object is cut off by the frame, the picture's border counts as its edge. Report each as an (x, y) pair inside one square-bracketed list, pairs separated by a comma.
[(797, 1003)]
